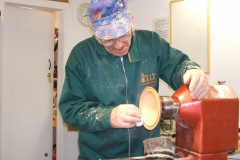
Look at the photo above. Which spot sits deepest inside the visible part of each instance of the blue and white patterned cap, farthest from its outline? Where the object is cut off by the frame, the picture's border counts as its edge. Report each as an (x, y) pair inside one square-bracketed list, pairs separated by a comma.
[(110, 18)]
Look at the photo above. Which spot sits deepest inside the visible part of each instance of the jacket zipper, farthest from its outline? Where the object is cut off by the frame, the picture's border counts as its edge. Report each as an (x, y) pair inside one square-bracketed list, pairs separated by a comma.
[(125, 80), (129, 139)]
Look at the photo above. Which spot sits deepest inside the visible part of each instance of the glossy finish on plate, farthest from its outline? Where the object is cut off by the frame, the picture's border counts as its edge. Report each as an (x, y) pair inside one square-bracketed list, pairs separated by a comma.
[(150, 107)]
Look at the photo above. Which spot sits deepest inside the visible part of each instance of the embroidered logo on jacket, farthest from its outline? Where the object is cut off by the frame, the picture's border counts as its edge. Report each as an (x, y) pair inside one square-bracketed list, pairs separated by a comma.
[(149, 79)]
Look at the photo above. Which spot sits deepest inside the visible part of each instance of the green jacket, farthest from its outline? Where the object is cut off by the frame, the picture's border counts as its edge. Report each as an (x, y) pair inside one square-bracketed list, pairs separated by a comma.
[(97, 81)]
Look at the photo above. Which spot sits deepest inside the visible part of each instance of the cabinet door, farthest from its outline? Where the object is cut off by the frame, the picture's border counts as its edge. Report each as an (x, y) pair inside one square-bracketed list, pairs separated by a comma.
[(26, 91)]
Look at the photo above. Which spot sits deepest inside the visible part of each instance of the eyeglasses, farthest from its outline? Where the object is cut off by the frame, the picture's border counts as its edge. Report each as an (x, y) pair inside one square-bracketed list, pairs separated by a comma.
[(110, 42)]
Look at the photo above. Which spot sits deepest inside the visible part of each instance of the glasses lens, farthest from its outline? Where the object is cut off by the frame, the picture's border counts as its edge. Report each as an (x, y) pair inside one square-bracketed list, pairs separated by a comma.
[(124, 38), (108, 42), (111, 41)]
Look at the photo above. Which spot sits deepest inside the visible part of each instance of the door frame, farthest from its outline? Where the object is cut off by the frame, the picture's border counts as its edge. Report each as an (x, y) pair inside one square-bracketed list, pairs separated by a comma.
[(50, 6)]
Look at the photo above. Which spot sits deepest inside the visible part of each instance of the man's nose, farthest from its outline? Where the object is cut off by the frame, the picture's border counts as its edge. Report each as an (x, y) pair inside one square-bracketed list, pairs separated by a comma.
[(118, 44)]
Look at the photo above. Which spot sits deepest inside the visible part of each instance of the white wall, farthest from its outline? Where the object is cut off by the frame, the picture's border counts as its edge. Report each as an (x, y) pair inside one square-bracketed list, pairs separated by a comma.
[(225, 45), (1, 57), (1, 50)]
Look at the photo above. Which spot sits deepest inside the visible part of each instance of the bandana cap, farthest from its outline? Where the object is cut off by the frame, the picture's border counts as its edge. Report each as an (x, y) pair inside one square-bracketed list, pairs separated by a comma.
[(110, 18)]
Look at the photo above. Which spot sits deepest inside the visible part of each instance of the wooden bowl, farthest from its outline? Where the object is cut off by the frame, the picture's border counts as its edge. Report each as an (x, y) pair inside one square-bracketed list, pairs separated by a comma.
[(150, 107)]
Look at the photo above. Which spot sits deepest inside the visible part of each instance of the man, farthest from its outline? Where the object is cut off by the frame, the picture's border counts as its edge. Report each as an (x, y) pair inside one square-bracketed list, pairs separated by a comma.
[(105, 75)]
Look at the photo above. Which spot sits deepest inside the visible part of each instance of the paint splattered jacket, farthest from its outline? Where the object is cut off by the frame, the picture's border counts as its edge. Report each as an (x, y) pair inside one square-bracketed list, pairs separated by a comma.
[(97, 81)]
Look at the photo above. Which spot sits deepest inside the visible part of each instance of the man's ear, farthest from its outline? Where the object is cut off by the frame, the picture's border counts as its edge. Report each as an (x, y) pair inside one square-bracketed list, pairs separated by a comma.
[(132, 18), (91, 27)]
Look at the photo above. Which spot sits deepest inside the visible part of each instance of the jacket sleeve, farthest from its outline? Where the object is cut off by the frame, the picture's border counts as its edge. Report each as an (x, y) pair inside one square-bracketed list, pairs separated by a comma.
[(74, 107), (172, 62)]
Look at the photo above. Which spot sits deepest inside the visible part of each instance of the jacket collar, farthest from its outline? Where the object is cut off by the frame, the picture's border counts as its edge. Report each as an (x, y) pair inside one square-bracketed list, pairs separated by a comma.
[(133, 54)]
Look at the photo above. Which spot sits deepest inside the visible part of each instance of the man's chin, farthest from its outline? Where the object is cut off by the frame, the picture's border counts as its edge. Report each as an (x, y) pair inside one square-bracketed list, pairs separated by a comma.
[(120, 54)]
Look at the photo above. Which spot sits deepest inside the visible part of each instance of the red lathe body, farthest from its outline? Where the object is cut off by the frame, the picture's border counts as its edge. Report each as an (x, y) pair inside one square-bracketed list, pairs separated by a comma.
[(207, 129)]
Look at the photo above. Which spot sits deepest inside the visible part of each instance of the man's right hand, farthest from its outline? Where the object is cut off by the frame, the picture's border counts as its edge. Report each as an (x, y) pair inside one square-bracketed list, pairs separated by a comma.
[(125, 116)]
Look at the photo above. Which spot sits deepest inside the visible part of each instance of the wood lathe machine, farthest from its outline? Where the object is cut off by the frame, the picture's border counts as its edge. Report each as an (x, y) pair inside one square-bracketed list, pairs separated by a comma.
[(205, 129)]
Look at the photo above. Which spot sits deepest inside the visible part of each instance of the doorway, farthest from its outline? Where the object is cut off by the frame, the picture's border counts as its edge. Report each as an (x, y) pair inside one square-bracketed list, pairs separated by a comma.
[(55, 79), (55, 88), (27, 128)]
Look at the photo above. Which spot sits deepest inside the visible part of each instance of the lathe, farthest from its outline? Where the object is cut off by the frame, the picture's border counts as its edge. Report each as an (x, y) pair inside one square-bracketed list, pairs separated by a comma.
[(205, 129)]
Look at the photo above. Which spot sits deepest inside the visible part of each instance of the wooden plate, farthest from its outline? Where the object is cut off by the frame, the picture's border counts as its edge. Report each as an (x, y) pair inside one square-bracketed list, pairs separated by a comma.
[(150, 107)]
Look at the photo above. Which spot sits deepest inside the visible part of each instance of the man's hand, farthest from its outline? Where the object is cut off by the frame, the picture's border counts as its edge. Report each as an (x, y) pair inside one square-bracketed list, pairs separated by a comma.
[(198, 83), (125, 116)]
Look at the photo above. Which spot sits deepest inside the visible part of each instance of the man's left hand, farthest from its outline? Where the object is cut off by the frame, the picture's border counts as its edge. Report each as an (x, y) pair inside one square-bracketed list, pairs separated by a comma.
[(198, 83)]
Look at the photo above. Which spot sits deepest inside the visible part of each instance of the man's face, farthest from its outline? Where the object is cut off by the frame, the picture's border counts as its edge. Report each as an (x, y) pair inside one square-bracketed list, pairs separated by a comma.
[(119, 46)]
